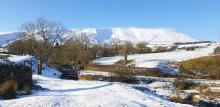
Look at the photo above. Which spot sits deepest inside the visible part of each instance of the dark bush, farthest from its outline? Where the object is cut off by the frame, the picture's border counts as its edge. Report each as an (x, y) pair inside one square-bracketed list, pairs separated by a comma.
[(125, 76), (161, 49), (182, 84), (190, 48), (172, 48), (141, 47), (217, 50)]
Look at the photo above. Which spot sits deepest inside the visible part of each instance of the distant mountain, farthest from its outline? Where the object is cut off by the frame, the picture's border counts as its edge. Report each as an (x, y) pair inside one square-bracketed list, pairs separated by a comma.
[(134, 35), (8, 37)]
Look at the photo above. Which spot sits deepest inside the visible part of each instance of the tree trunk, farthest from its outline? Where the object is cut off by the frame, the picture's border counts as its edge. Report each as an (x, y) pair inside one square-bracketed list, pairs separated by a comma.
[(39, 68), (126, 58)]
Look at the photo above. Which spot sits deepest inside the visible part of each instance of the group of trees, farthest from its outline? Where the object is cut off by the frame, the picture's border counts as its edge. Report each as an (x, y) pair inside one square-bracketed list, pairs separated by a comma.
[(118, 47), (76, 50), (123, 48), (45, 40)]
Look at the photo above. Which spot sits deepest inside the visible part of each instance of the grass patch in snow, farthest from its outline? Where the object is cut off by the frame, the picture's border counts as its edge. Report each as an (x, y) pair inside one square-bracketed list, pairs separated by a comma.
[(14, 78), (8, 89), (188, 92), (122, 62), (204, 67)]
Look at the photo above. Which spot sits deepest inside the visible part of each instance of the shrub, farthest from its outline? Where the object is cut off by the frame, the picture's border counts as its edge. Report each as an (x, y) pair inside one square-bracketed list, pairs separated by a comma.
[(172, 48), (9, 89), (141, 47), (217, 50), (148, 50), (177, 99), (190, 48), (125, 76), (182, 84), (161, 49)]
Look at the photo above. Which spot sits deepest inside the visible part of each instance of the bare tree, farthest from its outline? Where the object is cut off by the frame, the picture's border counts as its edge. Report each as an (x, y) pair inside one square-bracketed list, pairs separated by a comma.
[(126, 49), (79, 48), (40, 36), (141, 47), (115, 46)]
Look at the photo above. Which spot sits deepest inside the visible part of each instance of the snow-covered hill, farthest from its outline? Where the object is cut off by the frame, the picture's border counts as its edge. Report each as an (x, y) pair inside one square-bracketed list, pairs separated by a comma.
[(152, 36), (158, 60), (147, 60), (8, 37)]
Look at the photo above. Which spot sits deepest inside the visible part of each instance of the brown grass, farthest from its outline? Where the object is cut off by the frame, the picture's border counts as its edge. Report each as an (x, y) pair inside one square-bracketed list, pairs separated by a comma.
[(210, 95), (122, 62), (177, 99), (9, 89), (208, 67)]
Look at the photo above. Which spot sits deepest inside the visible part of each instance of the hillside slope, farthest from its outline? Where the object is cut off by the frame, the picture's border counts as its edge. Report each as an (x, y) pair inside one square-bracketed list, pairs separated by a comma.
[(151, 60), (8, 37), (153, 36), (134, 35)]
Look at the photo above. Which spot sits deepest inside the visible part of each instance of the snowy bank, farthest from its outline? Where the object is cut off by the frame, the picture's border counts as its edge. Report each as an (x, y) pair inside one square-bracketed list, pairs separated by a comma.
[(67, 93)]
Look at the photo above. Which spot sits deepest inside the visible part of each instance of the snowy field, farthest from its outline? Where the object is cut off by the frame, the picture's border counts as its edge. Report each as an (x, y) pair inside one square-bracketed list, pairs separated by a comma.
[(68, 93), (152, 60)]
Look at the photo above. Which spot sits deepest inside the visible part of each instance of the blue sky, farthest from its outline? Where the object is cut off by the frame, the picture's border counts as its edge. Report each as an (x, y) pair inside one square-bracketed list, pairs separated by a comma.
[(197, 18)]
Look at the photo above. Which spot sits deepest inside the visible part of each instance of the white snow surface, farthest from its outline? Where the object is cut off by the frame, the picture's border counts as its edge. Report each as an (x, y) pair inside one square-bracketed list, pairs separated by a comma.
[(152, 60), (17, 59), (161, 88), (8, 37), (135, 35), (194, 45), (69, 93)]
